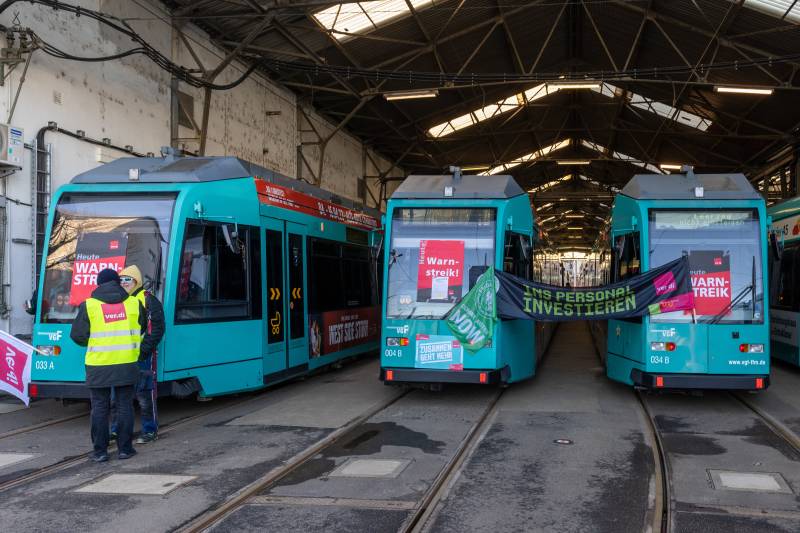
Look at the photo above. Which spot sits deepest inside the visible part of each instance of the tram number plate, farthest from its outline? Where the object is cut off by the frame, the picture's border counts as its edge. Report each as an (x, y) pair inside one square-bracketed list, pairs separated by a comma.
[(659, 359), (388, 352), (44, 365)]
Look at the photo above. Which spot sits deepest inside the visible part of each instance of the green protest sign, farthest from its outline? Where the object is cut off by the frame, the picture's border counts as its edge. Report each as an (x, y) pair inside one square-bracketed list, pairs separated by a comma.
[(472, 319)]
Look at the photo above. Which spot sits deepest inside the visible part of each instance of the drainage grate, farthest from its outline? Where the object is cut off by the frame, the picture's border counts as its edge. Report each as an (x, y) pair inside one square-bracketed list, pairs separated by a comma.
[(147, 484), (749, 481), (388, 468)]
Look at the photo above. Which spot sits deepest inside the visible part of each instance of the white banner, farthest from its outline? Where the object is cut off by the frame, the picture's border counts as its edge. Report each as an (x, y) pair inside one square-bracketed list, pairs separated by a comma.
[(15, 366)]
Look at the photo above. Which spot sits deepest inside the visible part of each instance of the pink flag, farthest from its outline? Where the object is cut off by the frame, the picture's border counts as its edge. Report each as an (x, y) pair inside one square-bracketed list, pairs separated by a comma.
[(15, 366)]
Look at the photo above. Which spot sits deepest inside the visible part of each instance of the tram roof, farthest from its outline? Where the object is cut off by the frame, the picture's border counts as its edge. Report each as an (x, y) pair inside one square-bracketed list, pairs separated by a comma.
[(682, 187), (423, 186), (172, 169)]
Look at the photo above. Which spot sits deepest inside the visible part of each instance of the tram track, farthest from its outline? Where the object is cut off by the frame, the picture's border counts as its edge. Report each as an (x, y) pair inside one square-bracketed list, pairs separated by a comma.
[(419, 514), (662, 505), (776, 426), (663, 511), (81, 458), (42, 425), (422, 514), (243, 496)]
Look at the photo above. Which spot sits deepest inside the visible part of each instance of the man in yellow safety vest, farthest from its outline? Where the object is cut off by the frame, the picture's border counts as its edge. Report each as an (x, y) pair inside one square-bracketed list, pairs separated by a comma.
[(110, 324), (131, 280)]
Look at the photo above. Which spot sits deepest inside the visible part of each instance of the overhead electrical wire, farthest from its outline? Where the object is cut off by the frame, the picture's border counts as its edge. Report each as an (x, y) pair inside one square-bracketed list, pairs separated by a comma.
[(124, 28), (436, 79)]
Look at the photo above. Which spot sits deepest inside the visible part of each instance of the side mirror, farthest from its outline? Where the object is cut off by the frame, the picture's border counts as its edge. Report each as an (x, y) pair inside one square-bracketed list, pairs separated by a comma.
[(30, 305), (774, 246)]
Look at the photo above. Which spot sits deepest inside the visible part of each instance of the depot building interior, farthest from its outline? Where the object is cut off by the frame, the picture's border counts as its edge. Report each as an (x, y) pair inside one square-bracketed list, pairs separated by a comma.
[(571, 98)]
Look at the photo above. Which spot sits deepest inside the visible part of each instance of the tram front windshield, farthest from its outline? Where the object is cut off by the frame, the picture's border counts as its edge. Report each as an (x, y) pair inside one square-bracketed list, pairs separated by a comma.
[(434, 256), (724, 249), (95, 231)]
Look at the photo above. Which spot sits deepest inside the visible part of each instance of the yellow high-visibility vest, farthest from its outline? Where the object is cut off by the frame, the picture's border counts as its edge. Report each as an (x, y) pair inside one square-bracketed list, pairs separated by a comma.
[(142, 297), (115, 333)]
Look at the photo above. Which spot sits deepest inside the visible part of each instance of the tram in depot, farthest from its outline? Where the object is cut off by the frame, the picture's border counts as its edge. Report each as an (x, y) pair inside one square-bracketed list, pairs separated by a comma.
[(784, 284), (442, 233), (719, 221), (262, 277)]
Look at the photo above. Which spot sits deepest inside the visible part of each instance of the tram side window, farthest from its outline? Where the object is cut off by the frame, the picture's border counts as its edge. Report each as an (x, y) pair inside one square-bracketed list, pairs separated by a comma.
[(340, 276), (788, 290), (517, 255), (220, 274), (627, 256)]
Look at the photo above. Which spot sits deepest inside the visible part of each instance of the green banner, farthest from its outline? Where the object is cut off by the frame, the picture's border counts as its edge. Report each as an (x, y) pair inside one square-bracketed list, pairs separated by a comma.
[(472, 319)]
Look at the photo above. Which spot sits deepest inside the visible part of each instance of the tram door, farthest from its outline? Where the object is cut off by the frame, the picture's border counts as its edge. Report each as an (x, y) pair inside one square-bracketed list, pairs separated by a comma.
[(287, 340)]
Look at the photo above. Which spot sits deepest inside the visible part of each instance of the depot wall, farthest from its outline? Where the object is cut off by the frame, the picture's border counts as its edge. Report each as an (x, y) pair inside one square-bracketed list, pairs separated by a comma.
[(129, 101)]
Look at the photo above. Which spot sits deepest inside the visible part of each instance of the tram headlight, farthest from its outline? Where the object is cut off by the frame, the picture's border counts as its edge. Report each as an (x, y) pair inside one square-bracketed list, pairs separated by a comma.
[(396, 341), (662, 346), (48, 350), (751, 348)]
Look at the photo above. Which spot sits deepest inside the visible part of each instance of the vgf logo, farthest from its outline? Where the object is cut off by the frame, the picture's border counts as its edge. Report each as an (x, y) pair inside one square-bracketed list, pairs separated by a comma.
[(401, 330), (52, 335)]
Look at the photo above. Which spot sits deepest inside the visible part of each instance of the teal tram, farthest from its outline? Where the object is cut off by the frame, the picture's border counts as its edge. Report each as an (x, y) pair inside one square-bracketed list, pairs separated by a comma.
[(442, 233), (784, 285), (719, 221), (262, 277)]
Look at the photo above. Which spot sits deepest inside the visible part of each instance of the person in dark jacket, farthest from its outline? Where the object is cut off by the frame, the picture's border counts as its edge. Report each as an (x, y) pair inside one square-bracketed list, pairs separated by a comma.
[(146, 387), (110, 324)]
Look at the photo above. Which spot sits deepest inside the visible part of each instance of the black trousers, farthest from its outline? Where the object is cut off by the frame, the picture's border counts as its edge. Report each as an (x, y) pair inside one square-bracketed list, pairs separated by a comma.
[(101, 410)]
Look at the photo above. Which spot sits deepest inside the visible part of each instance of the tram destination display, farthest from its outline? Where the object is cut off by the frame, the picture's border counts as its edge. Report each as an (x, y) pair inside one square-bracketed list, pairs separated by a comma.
[(502, 295)]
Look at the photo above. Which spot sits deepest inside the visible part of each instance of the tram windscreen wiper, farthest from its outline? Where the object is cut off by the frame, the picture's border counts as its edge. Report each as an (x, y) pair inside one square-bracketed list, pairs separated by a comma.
[(716, 318)]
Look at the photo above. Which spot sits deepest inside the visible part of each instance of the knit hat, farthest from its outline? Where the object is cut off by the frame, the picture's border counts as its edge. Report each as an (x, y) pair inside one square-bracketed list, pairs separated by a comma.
[(134, 272), (106, 275)]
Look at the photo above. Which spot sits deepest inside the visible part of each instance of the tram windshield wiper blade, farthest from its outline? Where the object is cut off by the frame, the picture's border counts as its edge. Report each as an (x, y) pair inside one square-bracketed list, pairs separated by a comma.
[(714, 319)]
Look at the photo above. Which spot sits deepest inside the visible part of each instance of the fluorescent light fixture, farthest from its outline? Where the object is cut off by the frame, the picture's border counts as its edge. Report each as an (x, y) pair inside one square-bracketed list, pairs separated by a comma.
[(345, 21), (742, 90), (574, 228), (669, 166), (408, 95), (573, 161), (568, 86), (575, 216)]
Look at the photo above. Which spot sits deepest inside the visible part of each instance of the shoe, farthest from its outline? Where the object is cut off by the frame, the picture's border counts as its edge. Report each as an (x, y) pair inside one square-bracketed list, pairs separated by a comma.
[(126, 455), (144, 438), (112, 435), (99, 457)]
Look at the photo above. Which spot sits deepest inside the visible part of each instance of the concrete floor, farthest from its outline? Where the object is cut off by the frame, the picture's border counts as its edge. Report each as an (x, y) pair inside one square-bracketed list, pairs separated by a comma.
[(520, 479), (517, 478)]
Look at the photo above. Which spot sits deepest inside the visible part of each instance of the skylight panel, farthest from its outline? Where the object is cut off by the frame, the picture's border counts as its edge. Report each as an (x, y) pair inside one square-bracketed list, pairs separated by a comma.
[(638, 162), (539, 91), (659, 108), (620, 156), (490, 111), (533, 156), (551, 184), (344, 20), (788, 10)]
